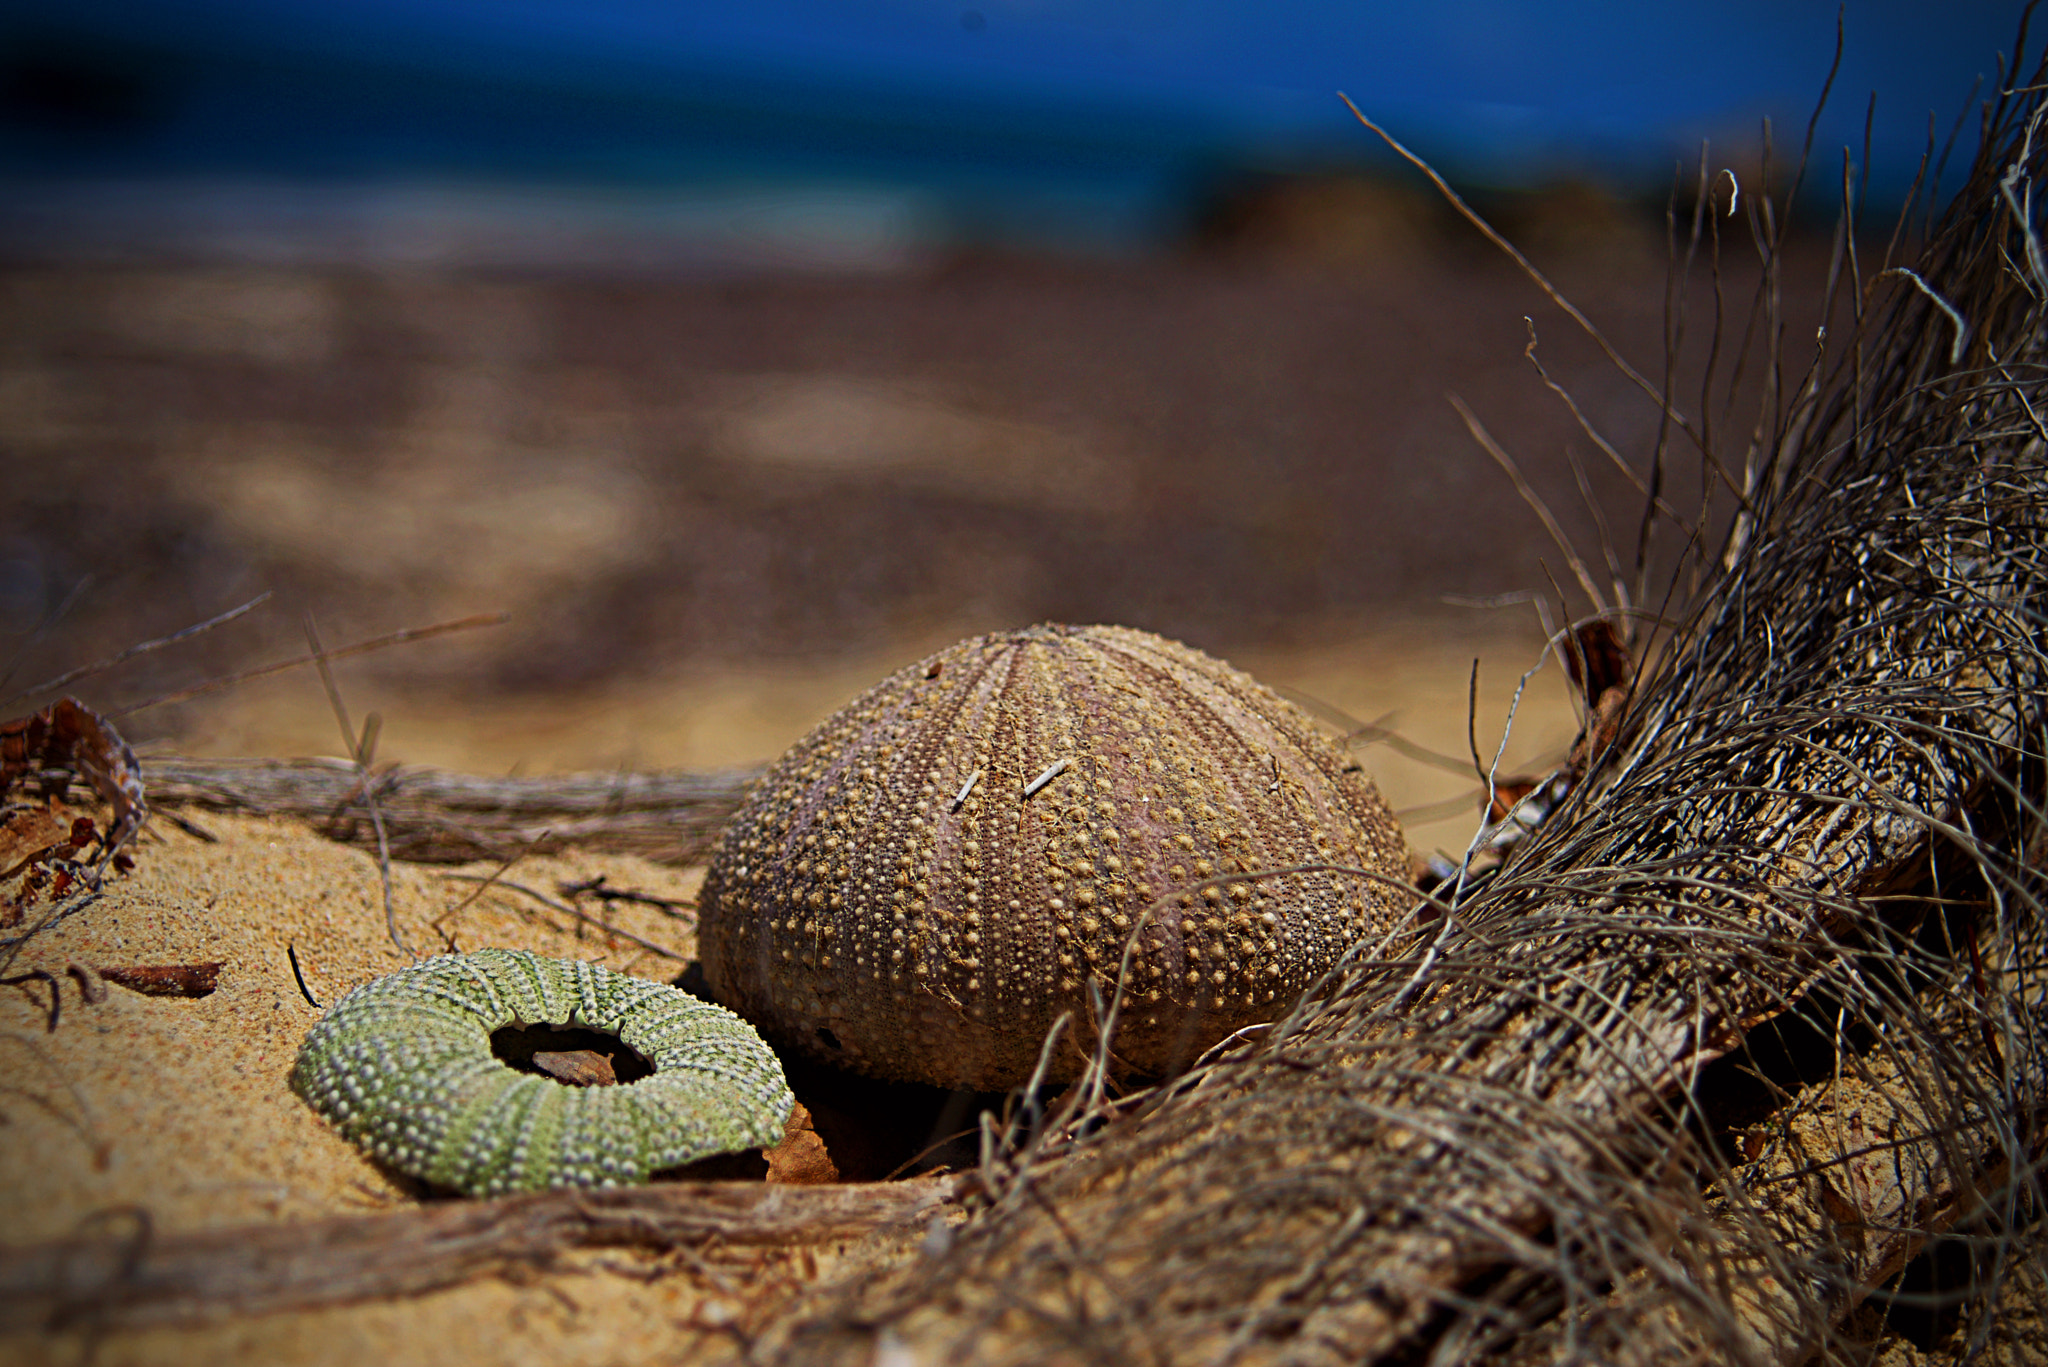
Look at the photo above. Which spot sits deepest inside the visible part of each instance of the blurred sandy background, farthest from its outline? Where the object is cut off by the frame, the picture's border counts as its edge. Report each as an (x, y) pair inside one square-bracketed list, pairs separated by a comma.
[(742, 354), (716, 506)]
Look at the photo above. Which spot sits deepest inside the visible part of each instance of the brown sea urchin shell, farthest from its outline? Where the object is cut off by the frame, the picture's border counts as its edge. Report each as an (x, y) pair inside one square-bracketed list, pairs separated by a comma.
[(924, 883)]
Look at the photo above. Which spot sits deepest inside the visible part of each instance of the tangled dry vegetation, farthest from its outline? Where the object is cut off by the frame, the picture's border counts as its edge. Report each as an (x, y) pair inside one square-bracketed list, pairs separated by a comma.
[(1749, 1022)]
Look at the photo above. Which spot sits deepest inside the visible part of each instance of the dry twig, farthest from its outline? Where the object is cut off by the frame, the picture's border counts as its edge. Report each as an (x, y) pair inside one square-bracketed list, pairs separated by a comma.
[(435, 816), (105, 1282)]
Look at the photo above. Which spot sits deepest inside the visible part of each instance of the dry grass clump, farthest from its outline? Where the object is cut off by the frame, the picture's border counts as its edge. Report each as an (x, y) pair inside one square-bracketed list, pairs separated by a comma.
[(1749, 1022)]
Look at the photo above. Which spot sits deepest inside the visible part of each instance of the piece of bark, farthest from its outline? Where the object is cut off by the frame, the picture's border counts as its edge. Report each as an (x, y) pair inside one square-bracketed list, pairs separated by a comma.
[(435, 816), (166, 980), (1864, 1165), (106, 1282)]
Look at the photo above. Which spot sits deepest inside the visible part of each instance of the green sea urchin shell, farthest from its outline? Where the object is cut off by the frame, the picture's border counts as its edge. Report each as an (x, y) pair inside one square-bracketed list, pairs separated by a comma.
[(402, 1066)]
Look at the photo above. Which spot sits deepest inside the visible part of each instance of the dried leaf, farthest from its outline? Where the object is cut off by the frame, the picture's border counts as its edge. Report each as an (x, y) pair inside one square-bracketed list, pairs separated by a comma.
[(801, 1159), (67, 739)]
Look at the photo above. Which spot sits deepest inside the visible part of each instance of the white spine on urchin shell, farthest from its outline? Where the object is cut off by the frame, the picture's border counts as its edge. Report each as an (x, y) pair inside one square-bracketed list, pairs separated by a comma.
[(402, 1066)]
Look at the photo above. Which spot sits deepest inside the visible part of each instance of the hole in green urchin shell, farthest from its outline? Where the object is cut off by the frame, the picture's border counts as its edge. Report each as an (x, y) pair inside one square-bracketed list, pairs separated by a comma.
[(515, 1046)]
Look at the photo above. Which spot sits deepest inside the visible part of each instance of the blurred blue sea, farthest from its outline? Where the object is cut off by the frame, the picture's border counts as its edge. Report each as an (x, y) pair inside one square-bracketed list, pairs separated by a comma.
[(851, 134)]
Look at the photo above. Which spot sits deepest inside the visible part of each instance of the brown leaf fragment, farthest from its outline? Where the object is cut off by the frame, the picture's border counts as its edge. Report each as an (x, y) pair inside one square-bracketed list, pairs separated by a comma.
[(801, 1159), (166, 980), (1509, 792), (577, 1067), (1599, 663)]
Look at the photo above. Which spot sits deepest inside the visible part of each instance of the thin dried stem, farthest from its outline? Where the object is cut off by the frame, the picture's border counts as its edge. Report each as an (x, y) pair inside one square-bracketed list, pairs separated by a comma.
[(132, 652), (376, 643), (359, 754)]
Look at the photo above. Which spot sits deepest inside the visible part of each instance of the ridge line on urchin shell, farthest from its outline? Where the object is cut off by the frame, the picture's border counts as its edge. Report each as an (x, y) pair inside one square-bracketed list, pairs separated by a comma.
[(862, 910), (402, 1067)]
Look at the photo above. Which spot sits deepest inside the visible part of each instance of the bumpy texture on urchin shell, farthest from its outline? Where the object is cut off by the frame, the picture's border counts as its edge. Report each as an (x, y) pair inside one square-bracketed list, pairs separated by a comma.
[(402, 1066), (860, 911)]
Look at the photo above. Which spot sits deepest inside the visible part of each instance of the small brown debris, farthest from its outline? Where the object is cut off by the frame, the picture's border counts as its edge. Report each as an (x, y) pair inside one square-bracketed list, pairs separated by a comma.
[(166, 980), (577, 1067), (1603, 729), (90, 985), (69, 740), (1599, 663), (1597, 660), (801, 1159), (38, 853), (1508, 792)]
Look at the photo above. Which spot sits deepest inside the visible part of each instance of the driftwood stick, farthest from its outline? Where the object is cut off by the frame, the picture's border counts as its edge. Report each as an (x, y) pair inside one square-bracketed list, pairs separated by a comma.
[(436, 816), (106, 1282)]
